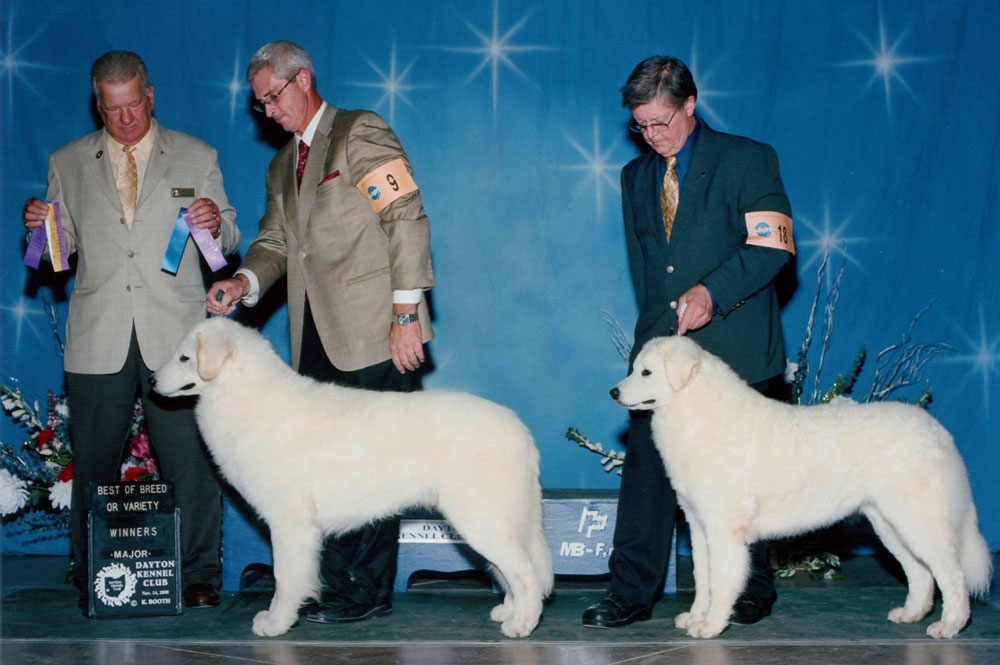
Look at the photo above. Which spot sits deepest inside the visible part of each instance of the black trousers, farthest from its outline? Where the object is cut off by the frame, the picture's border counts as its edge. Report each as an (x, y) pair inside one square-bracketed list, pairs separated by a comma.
[(359, 566), (647, 508), (100, 414)]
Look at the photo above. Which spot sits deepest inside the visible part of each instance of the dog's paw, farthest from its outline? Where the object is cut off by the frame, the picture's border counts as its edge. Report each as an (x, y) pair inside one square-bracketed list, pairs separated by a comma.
[(903, 615), (943, 630), (515, 628), (704, 629), (512, 628), (683, 620), (501, 613), (266, 625)]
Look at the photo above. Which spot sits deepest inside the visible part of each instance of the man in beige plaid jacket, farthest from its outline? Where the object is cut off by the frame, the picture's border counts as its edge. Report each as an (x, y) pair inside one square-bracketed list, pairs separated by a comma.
[(345, 223)]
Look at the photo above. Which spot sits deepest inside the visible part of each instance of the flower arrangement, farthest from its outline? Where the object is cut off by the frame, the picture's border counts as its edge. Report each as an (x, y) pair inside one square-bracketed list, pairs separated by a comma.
[(36, 477)]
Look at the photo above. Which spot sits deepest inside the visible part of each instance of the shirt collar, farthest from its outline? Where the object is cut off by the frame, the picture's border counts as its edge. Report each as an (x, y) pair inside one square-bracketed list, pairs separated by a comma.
[(143, 149), (310, 132)]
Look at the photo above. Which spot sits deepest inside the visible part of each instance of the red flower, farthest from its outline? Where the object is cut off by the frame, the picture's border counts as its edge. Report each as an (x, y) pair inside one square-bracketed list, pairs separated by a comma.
[(67, 473), (44, 437), (134, 473)]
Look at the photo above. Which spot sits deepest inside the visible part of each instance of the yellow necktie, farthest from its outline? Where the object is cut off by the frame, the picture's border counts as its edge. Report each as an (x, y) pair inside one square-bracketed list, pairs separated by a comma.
[(127, 181), (669, 195)]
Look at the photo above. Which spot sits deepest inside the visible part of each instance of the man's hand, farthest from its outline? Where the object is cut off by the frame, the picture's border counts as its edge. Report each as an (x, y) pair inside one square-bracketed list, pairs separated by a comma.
[(34, 213), (232, 290), (206, 215), (694, 309), (406, 343)]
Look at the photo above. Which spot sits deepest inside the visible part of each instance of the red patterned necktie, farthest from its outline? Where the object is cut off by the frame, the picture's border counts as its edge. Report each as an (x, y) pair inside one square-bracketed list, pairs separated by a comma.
[(300, 167)]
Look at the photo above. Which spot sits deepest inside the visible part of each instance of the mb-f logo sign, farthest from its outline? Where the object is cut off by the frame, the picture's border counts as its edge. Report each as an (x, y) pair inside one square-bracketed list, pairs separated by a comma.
[(593, 520)]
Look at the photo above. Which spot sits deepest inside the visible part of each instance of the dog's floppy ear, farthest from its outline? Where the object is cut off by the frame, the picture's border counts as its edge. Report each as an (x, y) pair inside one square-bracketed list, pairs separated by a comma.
[(680, 367), (213, 352)]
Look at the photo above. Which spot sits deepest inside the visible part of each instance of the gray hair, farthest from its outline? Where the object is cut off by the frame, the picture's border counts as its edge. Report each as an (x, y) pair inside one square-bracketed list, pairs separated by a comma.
[(118, 67), (659, 77), (285, 59)]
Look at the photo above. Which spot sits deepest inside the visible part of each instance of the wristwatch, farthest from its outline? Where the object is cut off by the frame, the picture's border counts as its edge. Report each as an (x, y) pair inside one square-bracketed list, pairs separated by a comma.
[(405, 318)]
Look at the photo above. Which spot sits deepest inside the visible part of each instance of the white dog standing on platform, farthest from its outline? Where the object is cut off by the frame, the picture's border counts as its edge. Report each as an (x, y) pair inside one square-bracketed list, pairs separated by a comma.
[(315, 458), (746, 467)]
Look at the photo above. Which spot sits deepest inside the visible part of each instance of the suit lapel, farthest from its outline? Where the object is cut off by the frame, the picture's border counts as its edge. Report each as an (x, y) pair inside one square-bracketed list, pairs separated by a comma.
[(159, 160), (699, 172), (284, 182), (649, 185), (105, 169), (314, 168)]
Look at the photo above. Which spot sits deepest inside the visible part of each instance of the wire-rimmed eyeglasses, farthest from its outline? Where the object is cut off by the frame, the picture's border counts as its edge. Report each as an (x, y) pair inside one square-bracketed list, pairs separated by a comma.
[(634, 126), (260, 105)]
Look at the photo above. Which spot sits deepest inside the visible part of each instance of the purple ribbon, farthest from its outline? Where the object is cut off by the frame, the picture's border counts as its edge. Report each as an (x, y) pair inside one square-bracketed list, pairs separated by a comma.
[(202, 238), (51, 233)]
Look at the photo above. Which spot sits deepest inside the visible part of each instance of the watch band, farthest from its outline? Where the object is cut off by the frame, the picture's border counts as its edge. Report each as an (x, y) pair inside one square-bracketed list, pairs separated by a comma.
[(405, 318)]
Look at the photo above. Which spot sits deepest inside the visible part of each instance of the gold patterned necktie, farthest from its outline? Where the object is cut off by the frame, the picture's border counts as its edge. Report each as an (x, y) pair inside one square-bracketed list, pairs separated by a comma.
[(127, 181), (669, 195)]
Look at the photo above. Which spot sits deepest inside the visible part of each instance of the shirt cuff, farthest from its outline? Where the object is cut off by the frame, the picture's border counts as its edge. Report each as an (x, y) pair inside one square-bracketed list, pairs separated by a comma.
[(251, 298), (407, 296)]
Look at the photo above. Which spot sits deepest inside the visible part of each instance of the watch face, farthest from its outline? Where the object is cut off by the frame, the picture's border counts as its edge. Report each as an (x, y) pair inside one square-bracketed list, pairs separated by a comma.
[(405, 319)]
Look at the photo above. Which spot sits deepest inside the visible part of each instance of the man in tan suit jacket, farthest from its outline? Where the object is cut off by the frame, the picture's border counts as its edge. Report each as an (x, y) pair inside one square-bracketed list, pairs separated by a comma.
[(354, 241), (126, 315)]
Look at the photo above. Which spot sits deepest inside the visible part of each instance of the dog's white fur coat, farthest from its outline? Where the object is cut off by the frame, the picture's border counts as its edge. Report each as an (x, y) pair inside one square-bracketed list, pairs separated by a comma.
[(747, 468), (315, 459)]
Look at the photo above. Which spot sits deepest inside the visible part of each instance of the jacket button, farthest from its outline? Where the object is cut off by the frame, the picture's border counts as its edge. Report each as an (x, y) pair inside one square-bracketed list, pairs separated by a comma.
[(128, 288), (673, 304), (670, 269), (131, 254)]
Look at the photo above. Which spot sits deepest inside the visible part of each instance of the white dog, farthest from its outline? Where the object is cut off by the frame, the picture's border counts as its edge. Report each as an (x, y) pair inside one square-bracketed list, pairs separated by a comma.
[(746, 468), (316, 459)]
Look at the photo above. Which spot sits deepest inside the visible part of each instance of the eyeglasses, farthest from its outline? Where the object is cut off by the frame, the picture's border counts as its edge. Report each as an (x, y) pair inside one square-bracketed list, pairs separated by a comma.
[(260, 105), (661, 126)]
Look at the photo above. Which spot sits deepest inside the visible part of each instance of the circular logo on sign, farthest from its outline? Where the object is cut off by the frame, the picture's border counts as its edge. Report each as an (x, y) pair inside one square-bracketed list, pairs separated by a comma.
[(763, 229), (114, 585), (374, 192)]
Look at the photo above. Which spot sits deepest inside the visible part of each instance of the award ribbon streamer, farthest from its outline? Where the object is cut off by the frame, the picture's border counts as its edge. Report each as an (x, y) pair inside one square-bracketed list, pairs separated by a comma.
[(178, 240), (50, 233)]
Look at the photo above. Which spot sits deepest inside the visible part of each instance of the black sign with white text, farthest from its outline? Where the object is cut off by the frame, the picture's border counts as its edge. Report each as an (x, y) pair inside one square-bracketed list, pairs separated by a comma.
[(134, 562)]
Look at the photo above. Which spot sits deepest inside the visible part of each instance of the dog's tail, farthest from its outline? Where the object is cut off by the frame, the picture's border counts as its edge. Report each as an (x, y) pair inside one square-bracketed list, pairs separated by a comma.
[(974, 556)]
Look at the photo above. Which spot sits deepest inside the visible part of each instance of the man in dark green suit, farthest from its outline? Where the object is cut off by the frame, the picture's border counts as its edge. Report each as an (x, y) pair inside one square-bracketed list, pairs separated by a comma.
[(708, 228)]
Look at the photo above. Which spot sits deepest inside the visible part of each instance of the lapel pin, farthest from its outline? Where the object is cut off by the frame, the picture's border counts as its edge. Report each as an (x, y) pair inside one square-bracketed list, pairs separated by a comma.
[(99, 154)]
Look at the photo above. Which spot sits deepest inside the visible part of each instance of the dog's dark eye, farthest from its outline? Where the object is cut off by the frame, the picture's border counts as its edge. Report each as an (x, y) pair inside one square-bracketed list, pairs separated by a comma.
[(646, 372), (184, 359)]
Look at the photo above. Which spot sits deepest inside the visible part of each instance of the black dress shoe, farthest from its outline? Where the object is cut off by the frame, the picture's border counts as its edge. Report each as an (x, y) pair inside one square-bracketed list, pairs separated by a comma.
[(346, 611), (614, 612), (751, 608), (200, 594)]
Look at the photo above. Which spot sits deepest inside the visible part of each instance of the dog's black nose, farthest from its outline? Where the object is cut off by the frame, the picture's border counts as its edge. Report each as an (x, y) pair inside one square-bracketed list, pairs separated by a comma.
[(615, 393), (152, 382)]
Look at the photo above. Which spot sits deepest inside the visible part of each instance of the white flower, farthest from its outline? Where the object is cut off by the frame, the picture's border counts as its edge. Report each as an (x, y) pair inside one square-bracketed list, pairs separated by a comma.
[(60, 494), (13, 493), (62, 408), (791, 369)]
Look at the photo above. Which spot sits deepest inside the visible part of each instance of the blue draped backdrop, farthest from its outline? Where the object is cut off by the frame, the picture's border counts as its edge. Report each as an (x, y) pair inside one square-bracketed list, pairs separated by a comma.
[(885, 116)]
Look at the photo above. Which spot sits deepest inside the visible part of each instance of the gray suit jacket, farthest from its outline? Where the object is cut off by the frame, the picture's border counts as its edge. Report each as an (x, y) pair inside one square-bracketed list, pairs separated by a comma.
[(330, 242), (119, 284)]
